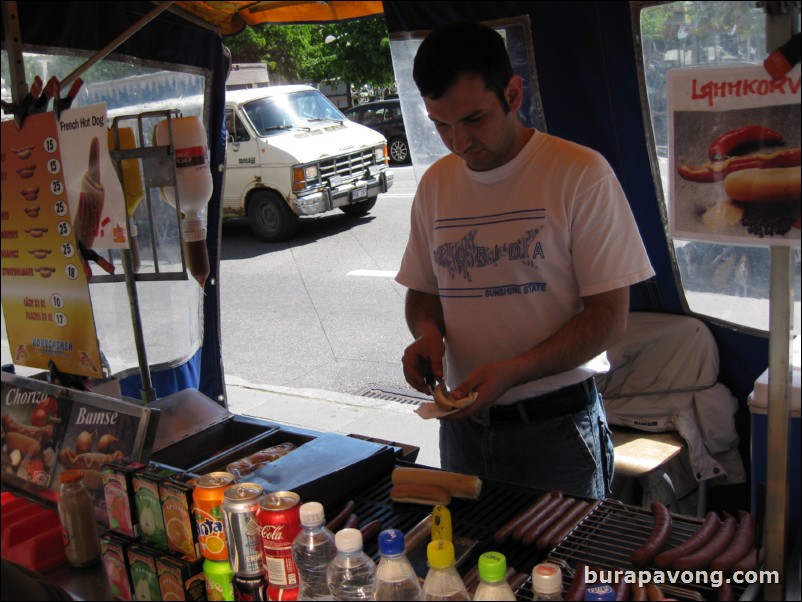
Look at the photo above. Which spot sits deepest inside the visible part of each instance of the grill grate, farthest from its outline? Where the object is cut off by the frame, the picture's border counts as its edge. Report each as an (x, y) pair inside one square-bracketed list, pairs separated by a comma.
[(609, 535), (391, 394), (605, 538)]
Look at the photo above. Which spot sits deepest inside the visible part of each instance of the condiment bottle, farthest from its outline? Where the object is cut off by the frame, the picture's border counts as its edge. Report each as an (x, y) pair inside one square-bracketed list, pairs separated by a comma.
[(77, 514), (443, 582), (493, 578), (547, 581)]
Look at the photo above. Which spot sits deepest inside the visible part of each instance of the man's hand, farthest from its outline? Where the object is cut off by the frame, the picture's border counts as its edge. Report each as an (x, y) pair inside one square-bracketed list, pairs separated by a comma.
[(424, 357)]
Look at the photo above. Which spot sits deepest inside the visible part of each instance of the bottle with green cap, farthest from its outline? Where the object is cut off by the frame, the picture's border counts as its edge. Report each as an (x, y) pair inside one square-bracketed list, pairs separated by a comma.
[(443, 581), (493, 578)]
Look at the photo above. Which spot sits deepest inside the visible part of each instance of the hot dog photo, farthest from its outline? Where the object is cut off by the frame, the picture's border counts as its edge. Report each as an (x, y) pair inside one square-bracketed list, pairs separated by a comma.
[(735, 171)]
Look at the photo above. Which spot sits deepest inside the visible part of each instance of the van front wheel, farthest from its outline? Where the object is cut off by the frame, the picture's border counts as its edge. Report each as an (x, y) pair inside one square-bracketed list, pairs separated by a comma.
[(359, 208), (270, 217)]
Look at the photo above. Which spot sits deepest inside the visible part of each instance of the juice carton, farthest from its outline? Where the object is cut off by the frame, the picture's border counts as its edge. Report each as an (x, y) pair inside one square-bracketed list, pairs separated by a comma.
[(179, 524), (118, 488), (148, 503), (181, 578), (144, 576), (114, 550)]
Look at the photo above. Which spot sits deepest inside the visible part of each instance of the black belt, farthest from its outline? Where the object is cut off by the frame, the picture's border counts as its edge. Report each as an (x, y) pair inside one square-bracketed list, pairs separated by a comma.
[(561, 402)]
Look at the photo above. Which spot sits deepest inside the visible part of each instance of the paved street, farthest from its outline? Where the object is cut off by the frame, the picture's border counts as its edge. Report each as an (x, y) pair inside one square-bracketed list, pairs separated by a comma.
[(321, 310)]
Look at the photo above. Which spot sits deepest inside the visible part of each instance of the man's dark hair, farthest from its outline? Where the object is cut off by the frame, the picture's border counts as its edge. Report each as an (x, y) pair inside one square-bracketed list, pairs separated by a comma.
[(457, 48)]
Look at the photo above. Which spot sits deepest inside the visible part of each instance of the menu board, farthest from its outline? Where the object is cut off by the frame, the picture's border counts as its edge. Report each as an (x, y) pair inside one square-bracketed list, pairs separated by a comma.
[(48, 429), (45, 290)]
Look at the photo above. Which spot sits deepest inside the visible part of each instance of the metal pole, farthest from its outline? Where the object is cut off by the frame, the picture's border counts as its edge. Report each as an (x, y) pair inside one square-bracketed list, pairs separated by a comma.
[(781, 20), (111, 46)]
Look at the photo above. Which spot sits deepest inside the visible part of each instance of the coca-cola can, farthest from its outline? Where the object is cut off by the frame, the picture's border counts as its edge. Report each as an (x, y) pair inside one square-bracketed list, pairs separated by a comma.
[(247, 588), (240, 503), (280, 521), (282, 593)]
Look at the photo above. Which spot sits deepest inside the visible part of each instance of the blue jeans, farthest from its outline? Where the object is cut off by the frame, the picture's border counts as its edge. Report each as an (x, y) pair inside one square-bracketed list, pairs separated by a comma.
[(571, 453)]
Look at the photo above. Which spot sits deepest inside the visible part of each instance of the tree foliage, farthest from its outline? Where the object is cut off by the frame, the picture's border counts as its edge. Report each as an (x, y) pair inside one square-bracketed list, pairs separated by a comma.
[(358, 52)]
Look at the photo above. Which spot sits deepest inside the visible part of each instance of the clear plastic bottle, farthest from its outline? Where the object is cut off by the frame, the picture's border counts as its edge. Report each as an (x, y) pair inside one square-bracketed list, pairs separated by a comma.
[(547, 581), (493, 578), (313, 549), (443, 582), (395, 577), (352, 573), (77, 514)]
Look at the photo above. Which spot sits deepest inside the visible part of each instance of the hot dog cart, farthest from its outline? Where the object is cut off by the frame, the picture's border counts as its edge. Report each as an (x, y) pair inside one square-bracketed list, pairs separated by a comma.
[(605, 537), (336, 470)]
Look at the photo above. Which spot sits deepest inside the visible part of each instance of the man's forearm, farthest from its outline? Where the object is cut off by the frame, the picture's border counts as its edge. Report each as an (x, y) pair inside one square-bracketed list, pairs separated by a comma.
[(423, 313), (594, 330)]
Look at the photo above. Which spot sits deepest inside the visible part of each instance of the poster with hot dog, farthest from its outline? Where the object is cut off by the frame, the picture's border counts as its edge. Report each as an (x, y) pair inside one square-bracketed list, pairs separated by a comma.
[(47, 429), (734, 156)]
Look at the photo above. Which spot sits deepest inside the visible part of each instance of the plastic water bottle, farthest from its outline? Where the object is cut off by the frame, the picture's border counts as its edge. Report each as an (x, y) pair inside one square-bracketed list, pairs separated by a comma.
[(547, 581), (352, 573), (443, 581), (313, 549), (493, 578), (395, 577)]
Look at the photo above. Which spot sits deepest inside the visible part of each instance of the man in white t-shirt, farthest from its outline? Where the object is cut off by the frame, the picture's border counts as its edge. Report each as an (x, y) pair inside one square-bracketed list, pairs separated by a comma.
[(521, 252)]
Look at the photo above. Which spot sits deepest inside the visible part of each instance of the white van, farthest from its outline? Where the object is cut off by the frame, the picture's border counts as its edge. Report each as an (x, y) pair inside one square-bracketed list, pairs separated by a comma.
[(291, 152)]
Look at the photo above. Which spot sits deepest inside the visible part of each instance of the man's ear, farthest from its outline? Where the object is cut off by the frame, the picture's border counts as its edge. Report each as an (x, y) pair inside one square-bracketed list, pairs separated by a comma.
[(515, 93)]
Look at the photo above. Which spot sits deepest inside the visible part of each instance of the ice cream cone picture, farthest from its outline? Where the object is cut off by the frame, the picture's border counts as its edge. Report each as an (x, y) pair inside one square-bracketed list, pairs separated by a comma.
[(90, 205)]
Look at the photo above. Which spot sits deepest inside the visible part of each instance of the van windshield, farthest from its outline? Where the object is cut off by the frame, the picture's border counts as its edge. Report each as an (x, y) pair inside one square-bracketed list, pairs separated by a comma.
[(274, 114)]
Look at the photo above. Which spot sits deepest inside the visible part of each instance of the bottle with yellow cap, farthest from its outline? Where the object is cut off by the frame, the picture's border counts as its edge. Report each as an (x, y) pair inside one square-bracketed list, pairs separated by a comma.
[(443, 581)]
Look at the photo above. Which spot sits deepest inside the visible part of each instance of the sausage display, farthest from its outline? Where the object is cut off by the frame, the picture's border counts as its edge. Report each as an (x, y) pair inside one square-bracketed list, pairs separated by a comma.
[(578, 585), (702, 558), (661, 532), (505, 531), (247, 465), (532, 535), (536, 516), (741, 544), (336, 523), (565, 524), (703, 535)]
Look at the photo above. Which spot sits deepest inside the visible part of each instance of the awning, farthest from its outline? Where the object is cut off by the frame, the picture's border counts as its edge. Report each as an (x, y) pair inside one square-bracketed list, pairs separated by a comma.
[(233, 17)]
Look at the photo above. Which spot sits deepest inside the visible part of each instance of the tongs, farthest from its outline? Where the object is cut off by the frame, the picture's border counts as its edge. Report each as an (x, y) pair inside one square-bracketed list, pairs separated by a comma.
[(432, 382)]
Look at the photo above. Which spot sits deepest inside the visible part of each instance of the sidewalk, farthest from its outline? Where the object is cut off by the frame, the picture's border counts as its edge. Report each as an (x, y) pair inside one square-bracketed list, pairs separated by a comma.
[(329, 411)]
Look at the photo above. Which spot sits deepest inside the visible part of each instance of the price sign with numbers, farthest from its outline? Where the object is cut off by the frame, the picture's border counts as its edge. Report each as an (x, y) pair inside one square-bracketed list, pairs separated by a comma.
[(45, 292)]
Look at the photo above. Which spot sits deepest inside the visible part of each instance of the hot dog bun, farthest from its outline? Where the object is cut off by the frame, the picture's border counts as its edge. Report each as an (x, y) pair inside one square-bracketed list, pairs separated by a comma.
[(444, 401), (417, 493), (457, 484), (764, 185)]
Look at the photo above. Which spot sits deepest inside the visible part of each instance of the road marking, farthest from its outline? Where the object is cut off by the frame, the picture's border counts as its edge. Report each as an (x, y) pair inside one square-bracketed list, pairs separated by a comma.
[(374, 273)]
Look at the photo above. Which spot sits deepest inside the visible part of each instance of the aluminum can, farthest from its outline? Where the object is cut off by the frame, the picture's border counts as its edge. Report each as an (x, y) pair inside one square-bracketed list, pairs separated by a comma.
[(243, 535), (207, 502), (246, 588), (279, 521), (282, 593), (219, 577)]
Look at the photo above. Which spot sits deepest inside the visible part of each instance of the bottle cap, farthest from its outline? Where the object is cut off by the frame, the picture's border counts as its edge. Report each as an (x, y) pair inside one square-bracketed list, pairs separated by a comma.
[(311, 514), (348, 540), (492, 567), (599, 592), (440, 553), (547, 578), (391, 542), (71, 476)]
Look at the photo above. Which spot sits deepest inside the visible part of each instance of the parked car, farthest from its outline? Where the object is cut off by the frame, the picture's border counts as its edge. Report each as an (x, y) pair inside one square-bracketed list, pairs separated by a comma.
[(384, 116)]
